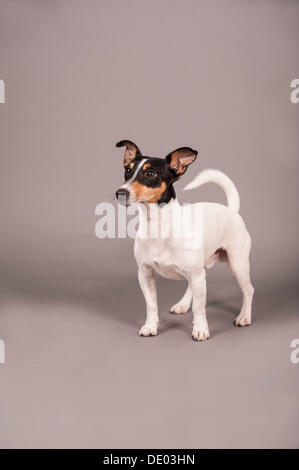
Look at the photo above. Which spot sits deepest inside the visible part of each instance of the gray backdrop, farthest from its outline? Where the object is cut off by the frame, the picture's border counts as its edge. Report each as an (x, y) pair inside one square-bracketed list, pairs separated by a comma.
[(79, 76)]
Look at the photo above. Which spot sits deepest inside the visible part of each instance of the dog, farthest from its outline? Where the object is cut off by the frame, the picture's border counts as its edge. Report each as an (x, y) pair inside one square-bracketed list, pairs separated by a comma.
[(149, 184)]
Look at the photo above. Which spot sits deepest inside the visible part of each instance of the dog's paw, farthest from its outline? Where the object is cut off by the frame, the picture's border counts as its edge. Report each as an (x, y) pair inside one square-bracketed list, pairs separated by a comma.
[(200, 334), (242, 320), (179, 308), (148, 330)]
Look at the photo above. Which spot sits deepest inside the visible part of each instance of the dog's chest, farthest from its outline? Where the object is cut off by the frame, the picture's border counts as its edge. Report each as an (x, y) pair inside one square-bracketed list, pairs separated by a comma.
[(163, 256)]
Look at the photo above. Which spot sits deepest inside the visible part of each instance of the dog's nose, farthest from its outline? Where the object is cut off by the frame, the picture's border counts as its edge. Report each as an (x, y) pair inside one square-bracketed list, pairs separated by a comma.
[(122, 195)]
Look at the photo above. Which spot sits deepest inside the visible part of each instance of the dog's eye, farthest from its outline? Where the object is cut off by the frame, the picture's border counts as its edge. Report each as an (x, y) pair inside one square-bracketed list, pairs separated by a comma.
[(128, 170), (150, 173)]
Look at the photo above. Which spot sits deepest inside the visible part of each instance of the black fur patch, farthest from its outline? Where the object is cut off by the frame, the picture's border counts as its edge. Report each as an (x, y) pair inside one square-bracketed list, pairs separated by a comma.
[(163, 173), (167, 170)]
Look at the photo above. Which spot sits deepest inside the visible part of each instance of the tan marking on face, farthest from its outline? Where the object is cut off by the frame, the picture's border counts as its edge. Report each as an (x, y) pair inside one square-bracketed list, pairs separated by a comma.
[(146, 166), (146, 194)]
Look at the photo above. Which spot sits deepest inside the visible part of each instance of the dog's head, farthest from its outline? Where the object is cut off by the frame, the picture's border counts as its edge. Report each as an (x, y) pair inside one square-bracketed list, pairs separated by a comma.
[(150, 179)]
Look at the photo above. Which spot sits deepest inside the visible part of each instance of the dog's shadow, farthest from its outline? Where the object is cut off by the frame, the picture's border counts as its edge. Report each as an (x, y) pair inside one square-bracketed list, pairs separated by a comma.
[(119, 299)]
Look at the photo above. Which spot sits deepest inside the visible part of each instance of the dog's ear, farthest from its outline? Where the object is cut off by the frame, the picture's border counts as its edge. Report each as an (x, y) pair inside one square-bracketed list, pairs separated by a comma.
[(179, 159), (132, 151)]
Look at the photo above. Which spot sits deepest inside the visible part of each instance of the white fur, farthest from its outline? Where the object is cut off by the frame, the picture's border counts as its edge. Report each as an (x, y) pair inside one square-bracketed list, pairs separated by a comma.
[(222, 227)]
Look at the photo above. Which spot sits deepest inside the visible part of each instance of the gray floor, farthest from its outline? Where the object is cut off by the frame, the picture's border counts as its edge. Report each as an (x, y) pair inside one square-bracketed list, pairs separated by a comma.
[(77, 374)]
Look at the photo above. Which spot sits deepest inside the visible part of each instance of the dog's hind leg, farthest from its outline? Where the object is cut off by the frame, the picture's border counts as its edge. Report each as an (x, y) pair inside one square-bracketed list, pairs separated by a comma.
[(184, 304), (239, 263)]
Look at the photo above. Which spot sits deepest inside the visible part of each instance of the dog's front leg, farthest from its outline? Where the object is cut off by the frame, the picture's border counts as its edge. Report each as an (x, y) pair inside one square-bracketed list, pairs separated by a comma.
[(148, 286), (199, 292)]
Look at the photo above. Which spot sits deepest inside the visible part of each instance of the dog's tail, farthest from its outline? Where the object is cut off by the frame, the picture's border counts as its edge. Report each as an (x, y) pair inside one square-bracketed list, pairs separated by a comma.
[(215, 176)]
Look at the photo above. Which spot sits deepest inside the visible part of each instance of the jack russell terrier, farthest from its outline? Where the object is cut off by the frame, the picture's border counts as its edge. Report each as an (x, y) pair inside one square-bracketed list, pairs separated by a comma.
[(223, 235)]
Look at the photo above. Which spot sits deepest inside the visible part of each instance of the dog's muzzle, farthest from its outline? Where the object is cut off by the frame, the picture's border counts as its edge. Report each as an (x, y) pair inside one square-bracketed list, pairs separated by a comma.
[(122, 196)]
